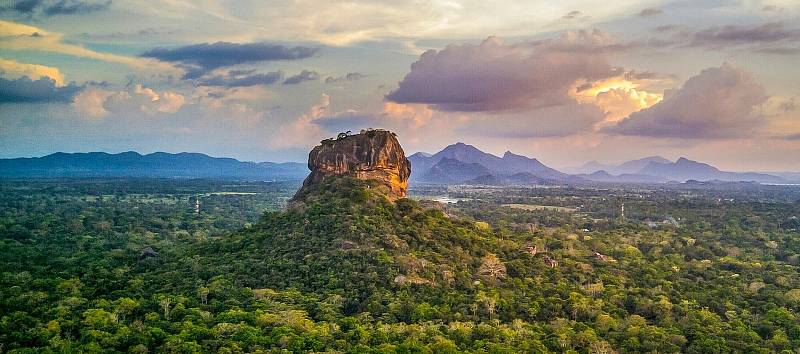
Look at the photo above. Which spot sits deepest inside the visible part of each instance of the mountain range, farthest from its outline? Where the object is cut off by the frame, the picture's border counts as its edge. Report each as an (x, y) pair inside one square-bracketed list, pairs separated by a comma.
[(455, 164), (158, 165), (465, 164), (629, 167), (656, 169), (462, 163)]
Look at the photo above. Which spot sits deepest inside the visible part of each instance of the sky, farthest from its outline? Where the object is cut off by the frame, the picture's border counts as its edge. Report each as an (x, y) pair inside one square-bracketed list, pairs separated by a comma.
[(566, 82)]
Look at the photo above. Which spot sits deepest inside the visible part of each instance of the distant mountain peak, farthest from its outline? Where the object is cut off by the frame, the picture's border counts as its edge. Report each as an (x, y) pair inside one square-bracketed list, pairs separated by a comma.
[(509, 154), (600, 173), (425, 168)]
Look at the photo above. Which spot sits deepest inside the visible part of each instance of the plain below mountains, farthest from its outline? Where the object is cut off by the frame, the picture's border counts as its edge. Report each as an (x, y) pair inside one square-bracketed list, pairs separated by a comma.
[(155, 165)]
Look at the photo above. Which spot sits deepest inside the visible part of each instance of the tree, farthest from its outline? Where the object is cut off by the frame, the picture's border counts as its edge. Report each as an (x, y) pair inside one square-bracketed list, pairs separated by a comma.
[(491, 267)]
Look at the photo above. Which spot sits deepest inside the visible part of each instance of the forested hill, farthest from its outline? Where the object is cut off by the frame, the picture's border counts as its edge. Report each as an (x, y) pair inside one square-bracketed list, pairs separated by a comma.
[(343, 269), (157, 165)]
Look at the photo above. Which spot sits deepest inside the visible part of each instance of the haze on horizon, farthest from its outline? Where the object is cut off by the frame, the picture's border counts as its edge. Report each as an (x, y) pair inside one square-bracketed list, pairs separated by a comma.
[(566, 82)]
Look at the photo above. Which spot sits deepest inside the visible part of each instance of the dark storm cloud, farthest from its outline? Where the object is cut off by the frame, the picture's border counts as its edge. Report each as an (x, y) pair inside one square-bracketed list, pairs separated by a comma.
[(717, 103), (355, 76), (41, 91), (199, 59), (732, 35), (60, 7), (305, 75), (494, 76), (649, 12), (238, 78)]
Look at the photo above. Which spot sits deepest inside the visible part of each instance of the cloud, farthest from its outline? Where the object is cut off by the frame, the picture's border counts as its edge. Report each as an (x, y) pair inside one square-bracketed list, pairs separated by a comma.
[(16, 36), (73, 7), (619, 96), (302, 131), (199, 59), (575, 14), (305, 75), (59, 7), (319, 122), (354, 76), (733, 35), (774, 38), (90, 102), (779, 50), (236, 78), (494, 76), (551, 121), (667, 28), (14, 69), (792, 137), (349, 120), (717, 103), (788, 105), (42, 90), (650, 12), (25, 6), (98, 103)]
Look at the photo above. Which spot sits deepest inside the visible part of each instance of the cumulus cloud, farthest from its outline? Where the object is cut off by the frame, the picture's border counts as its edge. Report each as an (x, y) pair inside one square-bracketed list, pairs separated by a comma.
[(14, 69), (302, 131), (237, 78), (98, 103), (618, 103), (494, 76), (305, 75), (58, 7), (354, 76), (719, 102), (320, 121), (44, 89), (199, 59), (619, 96)]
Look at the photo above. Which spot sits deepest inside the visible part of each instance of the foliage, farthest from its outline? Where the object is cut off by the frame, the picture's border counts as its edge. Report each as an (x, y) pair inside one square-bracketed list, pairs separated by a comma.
[(349, 271)]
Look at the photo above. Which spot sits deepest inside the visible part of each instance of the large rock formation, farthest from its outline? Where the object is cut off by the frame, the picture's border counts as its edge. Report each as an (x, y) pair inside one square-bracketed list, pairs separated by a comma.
[(370, 155)]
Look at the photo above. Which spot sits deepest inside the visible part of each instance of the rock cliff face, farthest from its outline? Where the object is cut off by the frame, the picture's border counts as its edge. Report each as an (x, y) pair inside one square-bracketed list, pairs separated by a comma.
[(371, 155)]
